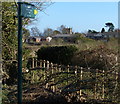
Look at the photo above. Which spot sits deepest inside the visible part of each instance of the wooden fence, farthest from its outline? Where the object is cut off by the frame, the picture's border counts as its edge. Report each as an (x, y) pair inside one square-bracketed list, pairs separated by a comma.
[(83, 82)]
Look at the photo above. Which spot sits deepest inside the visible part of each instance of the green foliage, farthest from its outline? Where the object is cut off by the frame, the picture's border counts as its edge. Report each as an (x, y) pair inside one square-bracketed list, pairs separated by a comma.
[(11, 69), (9, 31), (57, 54), (110, 25), (9, 36), (26, 32), (4, 97), (9, 39), (103, 30)]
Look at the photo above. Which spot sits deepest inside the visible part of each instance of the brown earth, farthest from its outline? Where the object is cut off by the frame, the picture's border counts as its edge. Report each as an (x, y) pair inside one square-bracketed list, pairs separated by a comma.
[(36, 94)]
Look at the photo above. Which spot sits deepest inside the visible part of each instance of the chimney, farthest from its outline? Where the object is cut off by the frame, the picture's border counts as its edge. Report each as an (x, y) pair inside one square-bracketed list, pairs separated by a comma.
[(70, 30)]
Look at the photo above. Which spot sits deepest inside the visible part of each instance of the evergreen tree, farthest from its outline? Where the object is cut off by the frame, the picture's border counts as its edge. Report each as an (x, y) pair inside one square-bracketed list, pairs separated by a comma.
[(103, 30), (110, 25)]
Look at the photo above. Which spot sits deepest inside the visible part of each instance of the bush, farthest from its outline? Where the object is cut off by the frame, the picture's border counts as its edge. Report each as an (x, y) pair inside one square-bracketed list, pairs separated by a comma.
[(57, 54), (11, 72), (97, 58)]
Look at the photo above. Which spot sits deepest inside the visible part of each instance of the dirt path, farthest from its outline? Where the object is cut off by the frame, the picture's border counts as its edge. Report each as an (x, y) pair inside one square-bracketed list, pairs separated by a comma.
[(36, 94), (40, 95)]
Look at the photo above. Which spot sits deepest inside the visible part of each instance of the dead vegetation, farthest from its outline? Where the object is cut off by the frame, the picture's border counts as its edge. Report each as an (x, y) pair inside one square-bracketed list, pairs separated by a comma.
[(100, 57)]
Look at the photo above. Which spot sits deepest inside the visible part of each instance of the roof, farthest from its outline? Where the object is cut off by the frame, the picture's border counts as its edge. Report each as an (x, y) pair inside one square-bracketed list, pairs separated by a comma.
[(105, 33), (63, 35), (94, 34), (30, 37)]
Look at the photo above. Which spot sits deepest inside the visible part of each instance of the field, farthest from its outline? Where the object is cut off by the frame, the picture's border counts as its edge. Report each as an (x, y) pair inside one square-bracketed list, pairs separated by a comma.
[(91, 78)]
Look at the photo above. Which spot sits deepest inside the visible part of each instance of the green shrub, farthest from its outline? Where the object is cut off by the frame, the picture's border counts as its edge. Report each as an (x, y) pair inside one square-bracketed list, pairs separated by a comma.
[(11, 71), (57, 54)]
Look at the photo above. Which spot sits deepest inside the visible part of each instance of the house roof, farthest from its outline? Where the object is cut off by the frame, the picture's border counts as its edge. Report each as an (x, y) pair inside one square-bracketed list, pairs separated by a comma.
[(35, 37), (102, 34), (63, 35), (94, 34)]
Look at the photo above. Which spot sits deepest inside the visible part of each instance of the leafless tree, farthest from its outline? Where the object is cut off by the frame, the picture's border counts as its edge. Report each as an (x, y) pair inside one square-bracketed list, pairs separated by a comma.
[(35, 31)]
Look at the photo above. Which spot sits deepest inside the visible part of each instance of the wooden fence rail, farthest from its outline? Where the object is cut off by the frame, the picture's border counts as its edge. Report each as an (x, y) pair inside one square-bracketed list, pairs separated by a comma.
[(94, 83)]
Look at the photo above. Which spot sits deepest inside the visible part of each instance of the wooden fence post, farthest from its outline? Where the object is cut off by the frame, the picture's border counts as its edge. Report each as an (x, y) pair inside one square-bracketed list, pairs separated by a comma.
[(75, 70), (52, 68), (48, 64), (31, 61), (33, 77), (44, 72), (59, 68), (40, 71), (56, 67), (41, 63), (103, 86), (81, 77), (95, 90), (76, 73), (33, 65), (56, 70), (36, 62), (68, 70)]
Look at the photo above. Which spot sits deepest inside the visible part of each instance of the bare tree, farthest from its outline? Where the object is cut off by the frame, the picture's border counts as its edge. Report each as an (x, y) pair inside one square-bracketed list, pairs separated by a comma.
[(48, 32), (40, 6), (62, 28), (35, 31)]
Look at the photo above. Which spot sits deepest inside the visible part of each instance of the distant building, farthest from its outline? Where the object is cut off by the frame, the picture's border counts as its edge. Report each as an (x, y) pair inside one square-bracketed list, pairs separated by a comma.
[(111, 34), (69, 30), (102, 36), (65, 37), (48, 39), (96, 36), (31, 39), (37, 39), (24, 39)]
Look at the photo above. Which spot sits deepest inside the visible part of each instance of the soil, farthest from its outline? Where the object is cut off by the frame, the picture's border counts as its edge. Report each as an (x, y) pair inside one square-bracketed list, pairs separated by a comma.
[(39, 95)]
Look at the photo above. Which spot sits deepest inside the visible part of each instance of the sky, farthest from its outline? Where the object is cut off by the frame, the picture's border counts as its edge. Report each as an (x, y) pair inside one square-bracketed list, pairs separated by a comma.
[(81, 16)]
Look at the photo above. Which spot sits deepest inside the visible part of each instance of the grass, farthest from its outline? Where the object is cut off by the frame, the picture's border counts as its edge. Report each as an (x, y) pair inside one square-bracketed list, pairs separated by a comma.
[(83, 44), (62, 80)]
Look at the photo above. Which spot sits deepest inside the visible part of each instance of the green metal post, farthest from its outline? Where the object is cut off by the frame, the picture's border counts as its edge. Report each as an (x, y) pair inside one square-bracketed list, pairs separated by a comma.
[(19, 54)]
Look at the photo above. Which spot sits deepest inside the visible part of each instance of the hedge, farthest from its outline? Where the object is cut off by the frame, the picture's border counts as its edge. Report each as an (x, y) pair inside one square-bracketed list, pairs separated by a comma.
[(57, 54)]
